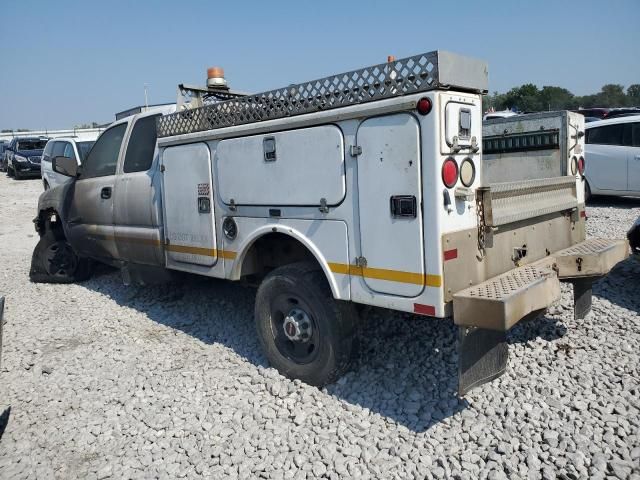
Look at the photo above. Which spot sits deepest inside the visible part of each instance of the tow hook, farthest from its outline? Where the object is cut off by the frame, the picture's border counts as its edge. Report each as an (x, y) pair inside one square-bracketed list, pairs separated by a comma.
[(579, 263)]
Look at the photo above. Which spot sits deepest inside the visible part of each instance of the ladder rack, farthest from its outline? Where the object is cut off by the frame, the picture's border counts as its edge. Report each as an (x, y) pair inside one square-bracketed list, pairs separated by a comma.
[(419, 73)]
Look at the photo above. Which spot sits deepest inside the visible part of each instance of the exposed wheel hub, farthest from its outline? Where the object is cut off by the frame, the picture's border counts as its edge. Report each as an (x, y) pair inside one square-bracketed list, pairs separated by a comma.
[(60, 259), (297, 325)]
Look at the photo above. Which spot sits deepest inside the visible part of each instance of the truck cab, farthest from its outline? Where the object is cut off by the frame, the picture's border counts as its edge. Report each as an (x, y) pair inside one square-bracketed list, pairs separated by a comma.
[(111, 208)]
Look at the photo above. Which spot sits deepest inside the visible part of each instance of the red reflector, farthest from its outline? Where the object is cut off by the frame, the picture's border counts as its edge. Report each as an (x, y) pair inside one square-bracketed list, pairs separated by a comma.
[(424, 309), (581, 165), (450, 254), (424, 106), (583, 214), (449, 172)]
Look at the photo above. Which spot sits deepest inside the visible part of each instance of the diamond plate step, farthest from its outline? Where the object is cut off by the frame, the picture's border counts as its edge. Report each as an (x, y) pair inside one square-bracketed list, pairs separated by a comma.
[(502, 301), (592, 258)]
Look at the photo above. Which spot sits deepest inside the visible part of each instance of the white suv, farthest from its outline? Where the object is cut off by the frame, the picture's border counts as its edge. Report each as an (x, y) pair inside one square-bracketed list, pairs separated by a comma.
[(612, 156), (71, 147)]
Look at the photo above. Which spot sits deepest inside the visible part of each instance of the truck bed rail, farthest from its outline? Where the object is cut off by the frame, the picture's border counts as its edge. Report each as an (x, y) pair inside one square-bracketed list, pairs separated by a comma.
[(510, 202)]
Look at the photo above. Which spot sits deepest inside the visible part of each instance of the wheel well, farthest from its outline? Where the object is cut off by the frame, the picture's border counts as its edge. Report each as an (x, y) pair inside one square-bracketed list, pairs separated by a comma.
[(271, 251), (49, 220)]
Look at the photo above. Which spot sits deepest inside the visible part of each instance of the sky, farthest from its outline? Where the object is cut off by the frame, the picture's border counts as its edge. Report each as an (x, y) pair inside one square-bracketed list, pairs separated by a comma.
[(64, 63)]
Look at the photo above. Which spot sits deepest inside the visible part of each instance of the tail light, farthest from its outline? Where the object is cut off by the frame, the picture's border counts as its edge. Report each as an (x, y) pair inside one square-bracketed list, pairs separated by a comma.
[(581, 165), (424, 106), (467, 172), (449, 172)]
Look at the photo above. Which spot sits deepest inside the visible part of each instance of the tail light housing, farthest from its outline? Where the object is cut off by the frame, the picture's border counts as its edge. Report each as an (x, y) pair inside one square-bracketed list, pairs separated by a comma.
[(424, 106), (449, 172), (581, 165), (574, 165), (467, 172)]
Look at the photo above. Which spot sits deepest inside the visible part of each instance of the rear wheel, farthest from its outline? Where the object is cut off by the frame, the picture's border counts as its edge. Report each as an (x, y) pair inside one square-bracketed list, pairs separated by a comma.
[(9, 171), (305, 333), (54, 261)]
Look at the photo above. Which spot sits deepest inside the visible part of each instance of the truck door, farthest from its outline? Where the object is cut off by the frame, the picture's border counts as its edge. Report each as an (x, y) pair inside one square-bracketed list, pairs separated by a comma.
[(188, 205), (90, 215), (390, 200), (606, 157), (137, 228), (633, 161)]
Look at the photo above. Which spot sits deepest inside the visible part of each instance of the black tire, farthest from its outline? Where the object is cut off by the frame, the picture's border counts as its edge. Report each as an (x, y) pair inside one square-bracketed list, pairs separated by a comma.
[(17, 175), (45, 184), (587, 192), (331, 344), (9, 171), (54, 261)]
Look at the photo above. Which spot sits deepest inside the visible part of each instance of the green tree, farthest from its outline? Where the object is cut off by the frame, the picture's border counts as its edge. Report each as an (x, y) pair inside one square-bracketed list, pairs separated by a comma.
[(633, 95), (556, 98), (612, 95), (525, 98)]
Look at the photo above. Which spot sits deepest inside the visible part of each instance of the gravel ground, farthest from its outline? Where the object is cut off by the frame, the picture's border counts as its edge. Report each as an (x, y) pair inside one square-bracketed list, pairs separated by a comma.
[(99, 380)]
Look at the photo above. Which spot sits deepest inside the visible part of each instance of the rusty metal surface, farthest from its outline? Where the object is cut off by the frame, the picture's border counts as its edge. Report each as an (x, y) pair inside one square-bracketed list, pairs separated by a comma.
[(502, 301), (510, 202), (591, 258), (540, 235)]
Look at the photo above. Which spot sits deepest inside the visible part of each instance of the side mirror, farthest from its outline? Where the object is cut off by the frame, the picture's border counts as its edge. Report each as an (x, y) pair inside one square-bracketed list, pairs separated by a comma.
[(65, 166)]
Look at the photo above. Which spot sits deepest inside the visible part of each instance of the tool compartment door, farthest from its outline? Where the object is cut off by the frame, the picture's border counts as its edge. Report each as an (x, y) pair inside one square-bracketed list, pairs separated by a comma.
[(390, 200), (188, 205)]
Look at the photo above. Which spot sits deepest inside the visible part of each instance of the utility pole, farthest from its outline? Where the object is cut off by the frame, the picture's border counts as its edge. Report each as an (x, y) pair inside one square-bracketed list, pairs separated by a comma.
[(146, 99)]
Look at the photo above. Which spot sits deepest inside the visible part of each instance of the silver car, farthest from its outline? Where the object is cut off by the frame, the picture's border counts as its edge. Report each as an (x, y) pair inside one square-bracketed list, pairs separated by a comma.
[(613, 157), (71, 147)]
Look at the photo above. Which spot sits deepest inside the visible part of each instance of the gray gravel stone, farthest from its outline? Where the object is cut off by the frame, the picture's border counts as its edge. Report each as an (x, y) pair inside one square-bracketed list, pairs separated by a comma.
[(108, 381)]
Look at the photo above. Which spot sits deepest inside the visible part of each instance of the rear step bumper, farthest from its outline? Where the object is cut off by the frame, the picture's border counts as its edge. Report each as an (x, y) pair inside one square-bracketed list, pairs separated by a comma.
[(501, 302), (486, 311), (592, 258)]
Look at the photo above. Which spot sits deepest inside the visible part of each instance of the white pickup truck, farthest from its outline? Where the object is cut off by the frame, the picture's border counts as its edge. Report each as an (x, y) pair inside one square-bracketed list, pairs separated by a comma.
[(367, 187)]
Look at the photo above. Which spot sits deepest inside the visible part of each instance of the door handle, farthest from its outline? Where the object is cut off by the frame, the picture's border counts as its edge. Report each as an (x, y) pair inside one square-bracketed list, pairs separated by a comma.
[(105, 193)]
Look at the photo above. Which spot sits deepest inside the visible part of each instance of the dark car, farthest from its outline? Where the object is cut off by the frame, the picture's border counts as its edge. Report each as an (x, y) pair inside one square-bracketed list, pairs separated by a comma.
[(622, 112), (634, 238), (597, 112), (24, 155)]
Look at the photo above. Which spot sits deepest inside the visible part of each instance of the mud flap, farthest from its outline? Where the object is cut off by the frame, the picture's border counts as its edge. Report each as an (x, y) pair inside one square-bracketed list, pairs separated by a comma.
[(482, 357), (582, 293)]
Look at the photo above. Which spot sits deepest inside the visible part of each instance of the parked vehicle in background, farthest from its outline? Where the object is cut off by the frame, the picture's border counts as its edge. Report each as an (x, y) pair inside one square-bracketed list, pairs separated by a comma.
[(612, 155), (70, 147), (502, 114), (600, 113), (24, 155), (3, 146), (622, 112)]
